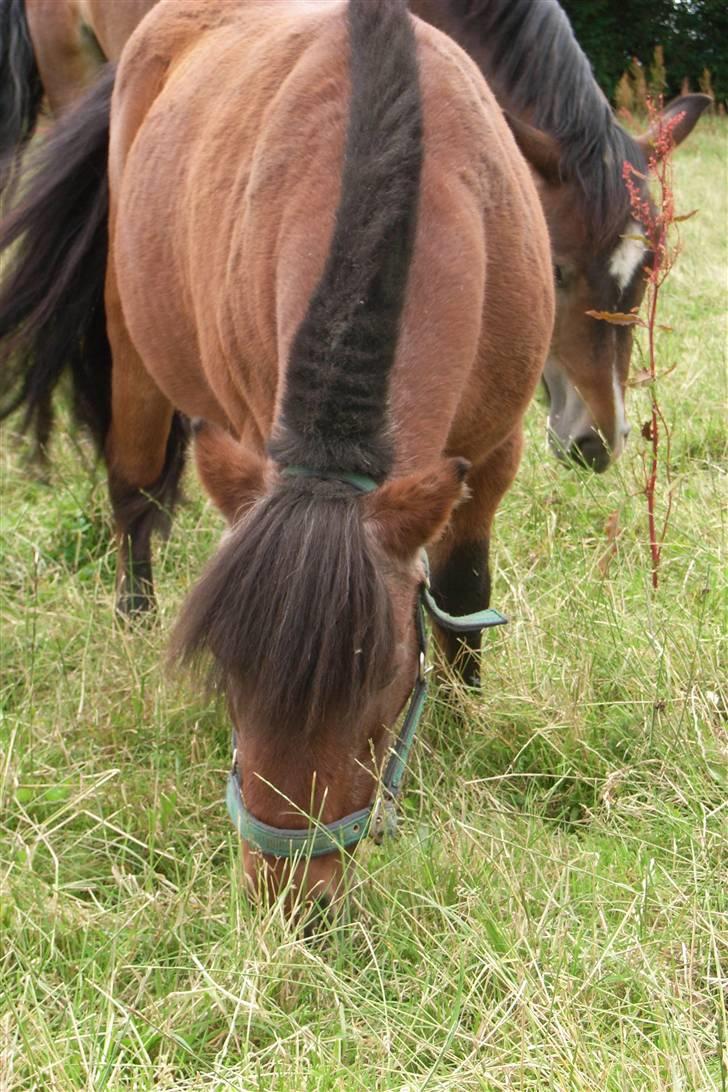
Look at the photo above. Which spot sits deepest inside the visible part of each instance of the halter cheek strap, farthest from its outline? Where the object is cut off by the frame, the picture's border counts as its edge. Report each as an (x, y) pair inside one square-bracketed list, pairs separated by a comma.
[(379, 819)]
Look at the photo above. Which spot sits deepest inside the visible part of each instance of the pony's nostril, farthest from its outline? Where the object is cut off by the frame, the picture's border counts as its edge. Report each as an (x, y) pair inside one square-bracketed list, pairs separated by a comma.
[(591, 451)]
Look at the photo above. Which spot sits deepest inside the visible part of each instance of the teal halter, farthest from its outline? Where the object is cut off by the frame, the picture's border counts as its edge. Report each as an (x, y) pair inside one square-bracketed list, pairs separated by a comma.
[(359, 481), (379, 818)]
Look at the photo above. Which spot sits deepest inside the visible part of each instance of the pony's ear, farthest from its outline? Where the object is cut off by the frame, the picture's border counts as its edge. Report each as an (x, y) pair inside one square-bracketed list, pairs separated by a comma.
[(407, 513), (538, 148), (687, 108), (232, 476)]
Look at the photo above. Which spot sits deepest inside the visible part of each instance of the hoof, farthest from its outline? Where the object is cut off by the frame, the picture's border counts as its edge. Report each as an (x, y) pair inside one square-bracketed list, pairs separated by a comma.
[(467, 668), (132, 609), (136, 604), (472, 681), (134, 588)]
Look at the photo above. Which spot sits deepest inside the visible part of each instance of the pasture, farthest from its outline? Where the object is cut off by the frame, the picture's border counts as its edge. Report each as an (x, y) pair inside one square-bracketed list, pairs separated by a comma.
[(555, 914)]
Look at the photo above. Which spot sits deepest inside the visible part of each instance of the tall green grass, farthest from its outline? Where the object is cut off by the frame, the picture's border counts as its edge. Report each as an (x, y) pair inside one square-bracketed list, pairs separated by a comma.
[(555, 914)]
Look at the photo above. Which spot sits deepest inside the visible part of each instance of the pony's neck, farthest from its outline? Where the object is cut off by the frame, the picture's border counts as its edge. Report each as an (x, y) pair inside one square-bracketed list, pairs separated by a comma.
[(529, 55)]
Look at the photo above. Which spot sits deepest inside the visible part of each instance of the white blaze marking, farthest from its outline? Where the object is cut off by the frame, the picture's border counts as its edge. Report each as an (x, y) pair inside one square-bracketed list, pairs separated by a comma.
[(627, 256)]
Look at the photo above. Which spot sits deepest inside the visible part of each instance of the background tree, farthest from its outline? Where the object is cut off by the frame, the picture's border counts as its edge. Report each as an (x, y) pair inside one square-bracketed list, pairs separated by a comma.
[(692, 33)]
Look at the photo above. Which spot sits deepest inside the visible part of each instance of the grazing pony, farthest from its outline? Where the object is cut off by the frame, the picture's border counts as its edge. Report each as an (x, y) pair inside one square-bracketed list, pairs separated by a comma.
[(562, 122), (566, 130), (324, 248)]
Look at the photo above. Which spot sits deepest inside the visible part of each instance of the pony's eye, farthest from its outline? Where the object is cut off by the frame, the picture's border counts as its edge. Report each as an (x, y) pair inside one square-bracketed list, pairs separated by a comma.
[(558, 276)]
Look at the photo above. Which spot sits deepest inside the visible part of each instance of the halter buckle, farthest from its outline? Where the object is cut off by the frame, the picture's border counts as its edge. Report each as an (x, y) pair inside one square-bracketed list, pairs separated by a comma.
[(383, 820)]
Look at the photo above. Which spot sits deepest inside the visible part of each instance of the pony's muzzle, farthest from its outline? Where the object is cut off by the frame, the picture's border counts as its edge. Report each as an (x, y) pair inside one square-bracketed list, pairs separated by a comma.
[(592, 452)]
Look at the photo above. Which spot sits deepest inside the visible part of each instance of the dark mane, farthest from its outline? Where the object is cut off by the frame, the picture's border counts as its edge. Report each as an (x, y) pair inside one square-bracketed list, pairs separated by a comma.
[(334, 414), (293, 609), (532, 60)]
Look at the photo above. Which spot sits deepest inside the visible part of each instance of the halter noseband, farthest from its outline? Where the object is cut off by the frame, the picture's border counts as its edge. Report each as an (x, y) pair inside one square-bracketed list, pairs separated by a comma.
[(379, 818)]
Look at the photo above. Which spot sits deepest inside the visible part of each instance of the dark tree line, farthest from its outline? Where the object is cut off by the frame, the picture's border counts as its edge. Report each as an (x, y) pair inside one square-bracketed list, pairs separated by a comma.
[(693, 34)]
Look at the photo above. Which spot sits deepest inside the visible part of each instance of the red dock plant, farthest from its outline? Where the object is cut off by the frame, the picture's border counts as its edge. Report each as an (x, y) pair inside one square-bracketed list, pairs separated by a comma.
[(658, 221)]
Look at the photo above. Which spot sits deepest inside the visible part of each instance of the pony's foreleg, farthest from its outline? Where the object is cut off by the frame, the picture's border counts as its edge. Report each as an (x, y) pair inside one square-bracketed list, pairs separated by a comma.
[(459, 561), (145, 453)]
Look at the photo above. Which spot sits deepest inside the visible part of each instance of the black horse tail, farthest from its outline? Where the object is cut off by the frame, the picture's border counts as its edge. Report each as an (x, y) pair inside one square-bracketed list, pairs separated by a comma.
[(21, 91), (55, 244)]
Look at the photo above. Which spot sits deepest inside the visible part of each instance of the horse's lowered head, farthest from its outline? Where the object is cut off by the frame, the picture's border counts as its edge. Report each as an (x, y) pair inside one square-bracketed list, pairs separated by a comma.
[(309, 612), (600, 264), (567, 131)]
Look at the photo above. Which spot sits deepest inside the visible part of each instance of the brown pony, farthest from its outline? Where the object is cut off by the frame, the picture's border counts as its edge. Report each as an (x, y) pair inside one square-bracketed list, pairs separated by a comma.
[(324, 247), (565, 128)]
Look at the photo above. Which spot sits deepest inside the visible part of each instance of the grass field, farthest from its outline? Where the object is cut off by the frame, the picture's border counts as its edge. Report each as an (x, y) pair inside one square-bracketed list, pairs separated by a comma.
[(555, 915)]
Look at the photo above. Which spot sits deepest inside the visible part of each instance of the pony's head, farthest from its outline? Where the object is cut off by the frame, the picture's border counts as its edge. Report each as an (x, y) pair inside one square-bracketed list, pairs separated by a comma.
[(308, 616), (600, 265), (567, 132)]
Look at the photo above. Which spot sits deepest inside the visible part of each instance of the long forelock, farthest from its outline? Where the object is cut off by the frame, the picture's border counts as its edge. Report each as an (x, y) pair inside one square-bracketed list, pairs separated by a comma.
[(293, 616)]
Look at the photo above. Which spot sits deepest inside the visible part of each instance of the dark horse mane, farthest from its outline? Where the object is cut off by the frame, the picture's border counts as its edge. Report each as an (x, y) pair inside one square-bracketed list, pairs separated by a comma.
[(538, 71), (293, 610)]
